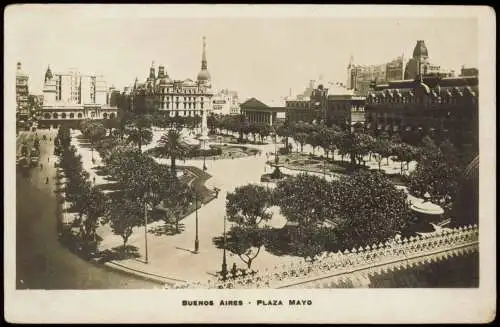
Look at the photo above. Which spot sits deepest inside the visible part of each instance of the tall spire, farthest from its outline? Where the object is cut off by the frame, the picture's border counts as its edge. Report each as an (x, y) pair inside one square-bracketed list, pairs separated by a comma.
[(204, 75), (204, 55)]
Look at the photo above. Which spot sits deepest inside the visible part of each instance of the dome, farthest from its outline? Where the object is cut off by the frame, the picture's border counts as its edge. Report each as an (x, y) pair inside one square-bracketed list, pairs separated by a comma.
[(203, 75), (420, 50), (48, 74)]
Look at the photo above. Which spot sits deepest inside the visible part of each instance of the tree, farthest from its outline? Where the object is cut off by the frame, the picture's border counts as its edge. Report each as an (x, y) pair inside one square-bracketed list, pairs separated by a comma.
[(371, 209), (94, 209), (301, 138), (438, 173), (139, 132), (247, 207), (264, 131), (171, 146), (382, 149), (123, 214), (94, 131), (314, 139), (306, 199), (283, 130), (404, 153), (176, 200)]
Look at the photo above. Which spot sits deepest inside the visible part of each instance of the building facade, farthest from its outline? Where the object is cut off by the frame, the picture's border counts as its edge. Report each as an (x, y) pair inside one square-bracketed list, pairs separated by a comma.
[(441, 107), (177, 97), (22, 94), (257, 112), (421, 57), (360, 77), (335, 105), (469, 71), (71, 97), (225, 102)]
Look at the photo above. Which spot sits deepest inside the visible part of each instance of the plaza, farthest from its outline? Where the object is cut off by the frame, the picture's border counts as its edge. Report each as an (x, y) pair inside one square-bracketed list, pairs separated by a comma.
[(171, 258)]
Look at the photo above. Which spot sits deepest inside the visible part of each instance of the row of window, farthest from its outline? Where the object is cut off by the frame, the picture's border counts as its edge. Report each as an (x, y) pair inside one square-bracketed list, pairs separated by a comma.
[(72, 115), (449, 99), (166, 105)]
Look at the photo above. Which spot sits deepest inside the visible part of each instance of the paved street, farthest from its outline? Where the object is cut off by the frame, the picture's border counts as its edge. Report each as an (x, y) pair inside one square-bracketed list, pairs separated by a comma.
[(41, 261)]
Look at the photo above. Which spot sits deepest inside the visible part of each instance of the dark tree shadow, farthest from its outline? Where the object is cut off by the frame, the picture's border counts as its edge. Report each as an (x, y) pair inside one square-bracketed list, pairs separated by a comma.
[(119, 253), (167, 229)]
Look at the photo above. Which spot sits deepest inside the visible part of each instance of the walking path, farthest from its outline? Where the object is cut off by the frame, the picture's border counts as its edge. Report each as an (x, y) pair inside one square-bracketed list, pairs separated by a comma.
[(172, 256)]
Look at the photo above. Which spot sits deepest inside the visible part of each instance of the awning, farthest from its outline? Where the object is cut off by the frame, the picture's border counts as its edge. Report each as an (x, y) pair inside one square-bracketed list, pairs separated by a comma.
[(408, 128)]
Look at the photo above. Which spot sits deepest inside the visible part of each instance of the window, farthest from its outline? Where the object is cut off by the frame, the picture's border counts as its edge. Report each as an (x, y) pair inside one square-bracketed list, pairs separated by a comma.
[(185, 112), (80, 115), (71, 115), (105, 115), (55, 115), (112, 116), (63, 116)]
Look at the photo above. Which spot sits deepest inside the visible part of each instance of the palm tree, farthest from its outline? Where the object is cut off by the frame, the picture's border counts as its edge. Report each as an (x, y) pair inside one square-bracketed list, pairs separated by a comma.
[(172, 147)]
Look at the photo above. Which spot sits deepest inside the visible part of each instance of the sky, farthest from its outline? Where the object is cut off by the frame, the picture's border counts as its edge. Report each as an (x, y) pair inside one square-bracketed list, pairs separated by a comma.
[(258, 56)]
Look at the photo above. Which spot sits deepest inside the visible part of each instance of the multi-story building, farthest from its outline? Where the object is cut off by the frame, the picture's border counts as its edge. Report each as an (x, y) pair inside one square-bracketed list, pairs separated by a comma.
[(335, 105), (360, 77), (442, 107), (421, 57), (70, 97), (469, 71), (225, 102), (258, 112), (344, 108), (22, 93), (176, 97)]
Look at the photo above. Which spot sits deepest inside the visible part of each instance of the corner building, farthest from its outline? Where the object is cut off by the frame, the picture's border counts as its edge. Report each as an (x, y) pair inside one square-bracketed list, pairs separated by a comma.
[(69, 98), (177, 97)]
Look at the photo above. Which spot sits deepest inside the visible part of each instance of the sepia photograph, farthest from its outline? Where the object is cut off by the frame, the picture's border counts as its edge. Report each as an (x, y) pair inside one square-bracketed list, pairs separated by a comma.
[(249, 163)]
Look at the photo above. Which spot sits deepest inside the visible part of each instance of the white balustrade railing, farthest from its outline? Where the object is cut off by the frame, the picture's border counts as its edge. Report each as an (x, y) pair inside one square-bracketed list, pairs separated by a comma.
[(350, 260)]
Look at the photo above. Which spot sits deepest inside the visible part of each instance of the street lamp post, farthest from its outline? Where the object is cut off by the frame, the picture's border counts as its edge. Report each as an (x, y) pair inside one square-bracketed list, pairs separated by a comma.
[(224, 263), (146, 259), (204, 156), (196, 241)]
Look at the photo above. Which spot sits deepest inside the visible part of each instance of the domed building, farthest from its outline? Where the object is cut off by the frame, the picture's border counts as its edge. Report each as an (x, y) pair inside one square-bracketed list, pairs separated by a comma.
[(186, 98)]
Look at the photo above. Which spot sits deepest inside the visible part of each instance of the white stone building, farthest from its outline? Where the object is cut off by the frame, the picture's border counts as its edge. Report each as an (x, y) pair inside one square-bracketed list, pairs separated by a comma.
[(226, 102), (177, 97), (71, 97)]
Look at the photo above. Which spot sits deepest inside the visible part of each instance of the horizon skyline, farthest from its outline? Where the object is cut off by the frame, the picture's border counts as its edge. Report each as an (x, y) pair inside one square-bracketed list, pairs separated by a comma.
[(241, 53)]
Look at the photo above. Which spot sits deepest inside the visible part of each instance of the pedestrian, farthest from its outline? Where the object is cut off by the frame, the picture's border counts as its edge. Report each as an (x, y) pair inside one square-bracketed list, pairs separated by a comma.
[(47, 180), (93, 179), (48, 159), (41, 166)]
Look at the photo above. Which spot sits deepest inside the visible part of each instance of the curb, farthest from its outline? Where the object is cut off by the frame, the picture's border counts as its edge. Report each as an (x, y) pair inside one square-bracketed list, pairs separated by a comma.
[(161, 280)]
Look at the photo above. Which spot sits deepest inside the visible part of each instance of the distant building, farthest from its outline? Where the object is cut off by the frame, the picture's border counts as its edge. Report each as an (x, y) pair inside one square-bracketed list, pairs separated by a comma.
[(22, 93), (258, 112), (344, 108), (360, 77), (471, 71), (71, 97), (176, 97), (421, 57), (226, 102), (335, 105), (442, 107)]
